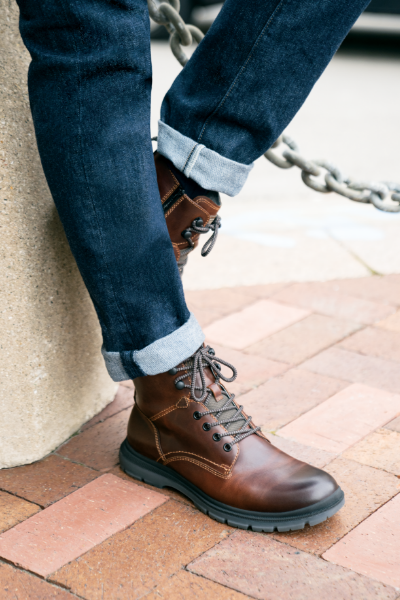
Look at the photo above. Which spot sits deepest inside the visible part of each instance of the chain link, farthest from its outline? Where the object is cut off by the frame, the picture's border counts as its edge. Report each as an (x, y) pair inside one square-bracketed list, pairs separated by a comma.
[(368, 192), (166, 13)]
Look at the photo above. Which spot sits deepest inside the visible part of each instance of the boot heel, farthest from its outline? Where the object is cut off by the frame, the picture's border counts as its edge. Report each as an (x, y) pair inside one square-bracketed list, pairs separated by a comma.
[(138, 469)]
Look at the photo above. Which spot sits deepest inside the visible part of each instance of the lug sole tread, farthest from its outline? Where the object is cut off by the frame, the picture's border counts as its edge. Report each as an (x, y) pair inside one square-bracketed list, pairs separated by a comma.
[(161, 482)]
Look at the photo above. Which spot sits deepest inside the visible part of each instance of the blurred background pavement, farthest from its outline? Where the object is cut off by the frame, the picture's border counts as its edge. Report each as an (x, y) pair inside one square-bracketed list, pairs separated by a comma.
[(277, 229)]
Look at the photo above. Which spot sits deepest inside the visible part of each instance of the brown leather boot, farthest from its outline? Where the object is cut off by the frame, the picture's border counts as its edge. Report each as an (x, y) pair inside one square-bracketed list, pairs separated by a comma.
[(187, 432), (187, 218)]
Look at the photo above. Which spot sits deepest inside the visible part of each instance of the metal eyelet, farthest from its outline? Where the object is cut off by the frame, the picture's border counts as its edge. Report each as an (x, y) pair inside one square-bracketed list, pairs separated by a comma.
[(206, 426), (196, 415), (227, 447), (216, 437), (179, 385), (172, 371)]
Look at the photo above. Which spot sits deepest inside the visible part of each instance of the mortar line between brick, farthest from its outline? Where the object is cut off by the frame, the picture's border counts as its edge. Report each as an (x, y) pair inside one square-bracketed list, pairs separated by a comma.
[(215, 545), (221, 584), (21, 498), (167, 499), (81, 464), (79, 431), (352, 528)]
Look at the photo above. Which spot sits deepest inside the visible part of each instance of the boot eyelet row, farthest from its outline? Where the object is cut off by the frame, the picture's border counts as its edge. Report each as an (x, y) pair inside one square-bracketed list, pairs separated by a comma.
[(179, 385), (206, 426), (196, 415), (216, 437), (227, 447)]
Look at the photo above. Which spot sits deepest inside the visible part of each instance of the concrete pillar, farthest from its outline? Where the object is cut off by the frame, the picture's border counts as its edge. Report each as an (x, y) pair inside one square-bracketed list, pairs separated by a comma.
[(52, 375)]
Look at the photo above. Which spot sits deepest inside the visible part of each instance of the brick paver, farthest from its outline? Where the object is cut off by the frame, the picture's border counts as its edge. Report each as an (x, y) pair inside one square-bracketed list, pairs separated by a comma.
[(391, 323), (318, 369), (374, 341), (381, 450), (133, 562), (62, 532), (371, 370), (303, 339), (317, 297), (365, 488), (98, 447), (252, 370), (263, 290), (335, 425), (284, 398), (171, 493), (123, 399), (313, 456), (252, 324), (19, 585), (264, 568), (46, 481), (187, 586), (394, 425), (221, 302), (385, 290), (13, 510), (373, 548)]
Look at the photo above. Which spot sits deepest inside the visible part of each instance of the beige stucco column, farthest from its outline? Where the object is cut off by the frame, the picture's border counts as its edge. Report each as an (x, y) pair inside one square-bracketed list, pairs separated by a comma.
[(52, 375)]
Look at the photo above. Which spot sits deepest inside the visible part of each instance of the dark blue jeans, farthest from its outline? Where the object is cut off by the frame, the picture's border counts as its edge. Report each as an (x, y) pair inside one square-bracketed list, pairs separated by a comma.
[(89, 86)]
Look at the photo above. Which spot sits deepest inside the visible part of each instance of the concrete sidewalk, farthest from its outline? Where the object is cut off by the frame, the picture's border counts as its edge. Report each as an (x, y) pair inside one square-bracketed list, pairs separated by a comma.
[(319, 370), (277, 229)]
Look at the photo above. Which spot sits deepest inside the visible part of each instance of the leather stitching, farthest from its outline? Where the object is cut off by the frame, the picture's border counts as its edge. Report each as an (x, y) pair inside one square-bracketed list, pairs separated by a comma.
[(156, 435), (191, 202), (207, 201), (174, 187), (221, 475), (171, 408), (201, 458)]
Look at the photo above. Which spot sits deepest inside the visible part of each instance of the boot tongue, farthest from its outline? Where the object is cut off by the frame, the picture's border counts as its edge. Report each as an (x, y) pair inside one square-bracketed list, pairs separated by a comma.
[(218, 398)]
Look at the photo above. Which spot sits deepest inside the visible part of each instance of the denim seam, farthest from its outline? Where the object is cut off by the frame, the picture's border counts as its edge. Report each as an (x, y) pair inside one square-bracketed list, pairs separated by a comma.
[(86, 178), (261, 35), (188, 158)]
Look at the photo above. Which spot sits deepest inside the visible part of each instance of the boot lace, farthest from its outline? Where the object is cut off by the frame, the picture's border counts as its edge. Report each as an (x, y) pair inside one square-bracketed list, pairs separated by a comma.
[(202, 358), (198, 226)]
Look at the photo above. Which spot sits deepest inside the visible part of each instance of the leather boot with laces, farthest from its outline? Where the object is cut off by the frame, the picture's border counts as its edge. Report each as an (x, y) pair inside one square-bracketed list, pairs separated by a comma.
[(187, 432), (187, 218)]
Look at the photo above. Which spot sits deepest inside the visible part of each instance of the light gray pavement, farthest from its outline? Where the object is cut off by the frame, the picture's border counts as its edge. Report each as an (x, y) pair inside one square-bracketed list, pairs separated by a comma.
[(279, 230)]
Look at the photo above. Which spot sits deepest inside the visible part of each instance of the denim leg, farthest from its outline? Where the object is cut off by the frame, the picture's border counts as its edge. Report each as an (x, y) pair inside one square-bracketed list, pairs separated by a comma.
[(245, 83), (89, 86)]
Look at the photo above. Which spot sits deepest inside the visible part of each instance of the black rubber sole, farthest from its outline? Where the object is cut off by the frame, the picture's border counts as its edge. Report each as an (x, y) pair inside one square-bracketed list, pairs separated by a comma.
[(147, 470)]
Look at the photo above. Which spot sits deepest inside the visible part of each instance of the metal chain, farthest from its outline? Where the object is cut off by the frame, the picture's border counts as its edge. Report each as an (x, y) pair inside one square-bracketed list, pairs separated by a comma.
[(166, 13), (376, 193)]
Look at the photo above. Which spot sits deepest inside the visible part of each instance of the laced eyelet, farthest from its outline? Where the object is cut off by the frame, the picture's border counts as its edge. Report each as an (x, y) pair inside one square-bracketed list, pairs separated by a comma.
[(211, 351), (179, 385), (206, 426), (172, 371), (216, 437), (227, 447), (196, 415)]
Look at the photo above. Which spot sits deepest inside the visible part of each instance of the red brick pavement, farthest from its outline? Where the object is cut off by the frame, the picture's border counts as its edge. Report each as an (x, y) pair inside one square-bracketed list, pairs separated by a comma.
[(319, 370)]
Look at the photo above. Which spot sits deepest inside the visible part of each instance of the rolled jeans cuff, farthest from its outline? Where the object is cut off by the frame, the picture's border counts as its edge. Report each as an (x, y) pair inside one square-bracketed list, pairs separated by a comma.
[(206, 167), (157, 357)]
